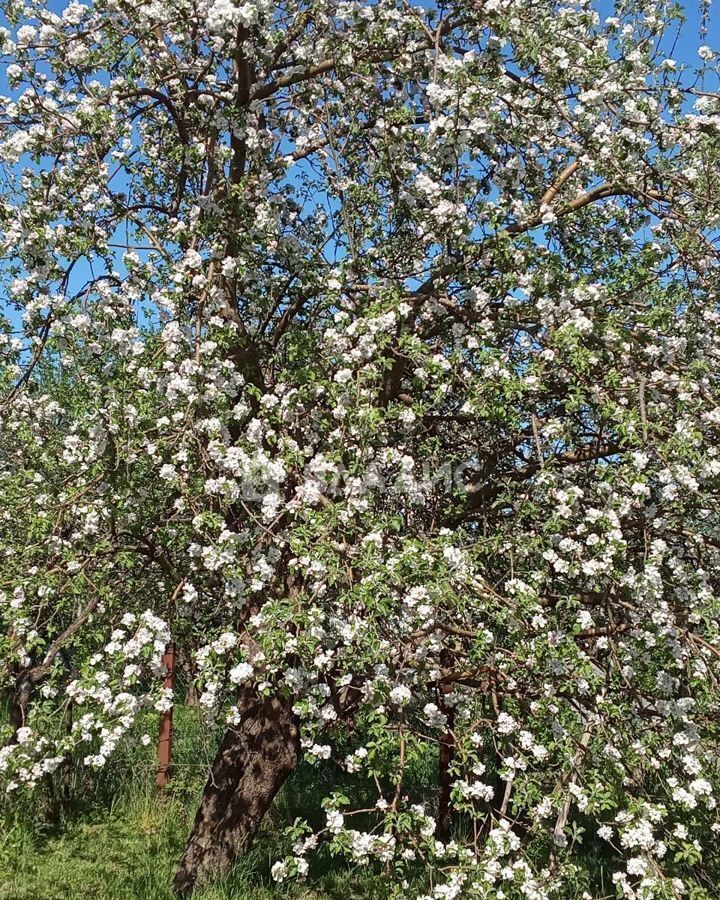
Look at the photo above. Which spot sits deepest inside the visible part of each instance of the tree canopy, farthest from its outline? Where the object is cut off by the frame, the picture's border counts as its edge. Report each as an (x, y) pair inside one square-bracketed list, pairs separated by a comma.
[(370, 353)]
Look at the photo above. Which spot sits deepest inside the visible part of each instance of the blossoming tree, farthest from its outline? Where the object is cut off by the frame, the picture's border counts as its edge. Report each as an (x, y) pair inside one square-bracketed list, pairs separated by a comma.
[(369, 351)]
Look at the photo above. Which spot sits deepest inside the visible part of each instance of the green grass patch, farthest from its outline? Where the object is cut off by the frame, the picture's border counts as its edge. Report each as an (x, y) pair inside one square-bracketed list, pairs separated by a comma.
[(111, 836)]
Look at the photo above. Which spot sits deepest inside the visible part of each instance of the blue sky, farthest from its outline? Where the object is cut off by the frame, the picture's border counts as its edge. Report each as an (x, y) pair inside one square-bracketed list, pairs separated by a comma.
[(682, 45)]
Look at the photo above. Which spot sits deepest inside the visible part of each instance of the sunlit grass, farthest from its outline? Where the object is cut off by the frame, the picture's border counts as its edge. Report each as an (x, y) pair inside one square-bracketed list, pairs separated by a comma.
[(117, 839)]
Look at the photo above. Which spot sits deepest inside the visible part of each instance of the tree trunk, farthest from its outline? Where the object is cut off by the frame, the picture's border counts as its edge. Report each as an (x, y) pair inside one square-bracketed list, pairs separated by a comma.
[(20, 703), (192, 697), (251, 765), (443, 824)]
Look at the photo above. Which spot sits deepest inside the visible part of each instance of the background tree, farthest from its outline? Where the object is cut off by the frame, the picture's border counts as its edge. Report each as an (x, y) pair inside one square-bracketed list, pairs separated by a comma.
[(371, 352)]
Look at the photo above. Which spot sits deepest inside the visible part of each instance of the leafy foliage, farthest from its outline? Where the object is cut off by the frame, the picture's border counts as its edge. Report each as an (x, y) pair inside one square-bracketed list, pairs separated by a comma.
[(370, 353)]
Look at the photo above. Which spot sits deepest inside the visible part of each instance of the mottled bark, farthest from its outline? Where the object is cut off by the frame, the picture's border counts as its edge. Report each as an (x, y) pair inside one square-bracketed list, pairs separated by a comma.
[(251, 765), (20, 703)]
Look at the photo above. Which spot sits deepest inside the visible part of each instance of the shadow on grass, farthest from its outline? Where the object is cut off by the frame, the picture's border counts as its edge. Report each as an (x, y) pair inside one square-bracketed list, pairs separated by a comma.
[(111, 837)]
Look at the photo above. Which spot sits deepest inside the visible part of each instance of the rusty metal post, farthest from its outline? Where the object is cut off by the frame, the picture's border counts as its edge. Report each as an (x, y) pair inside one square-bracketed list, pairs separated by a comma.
[(165, 735)]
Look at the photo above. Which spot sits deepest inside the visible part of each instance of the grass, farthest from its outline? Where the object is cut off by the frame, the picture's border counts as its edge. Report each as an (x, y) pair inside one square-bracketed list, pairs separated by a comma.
[(111, 836), (130, 854), (115, 838)]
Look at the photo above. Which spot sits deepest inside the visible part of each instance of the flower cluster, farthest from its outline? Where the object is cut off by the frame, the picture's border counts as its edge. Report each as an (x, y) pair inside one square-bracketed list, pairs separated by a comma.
[(370, 353)]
